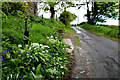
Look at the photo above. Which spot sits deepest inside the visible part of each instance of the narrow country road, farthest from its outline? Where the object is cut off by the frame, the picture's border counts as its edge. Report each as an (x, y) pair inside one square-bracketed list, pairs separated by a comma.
[(96, 57)]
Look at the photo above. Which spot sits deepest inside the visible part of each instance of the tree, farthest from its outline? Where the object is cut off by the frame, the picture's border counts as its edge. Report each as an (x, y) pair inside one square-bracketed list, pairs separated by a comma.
[(51, 6), (101, 11), (66, 17)]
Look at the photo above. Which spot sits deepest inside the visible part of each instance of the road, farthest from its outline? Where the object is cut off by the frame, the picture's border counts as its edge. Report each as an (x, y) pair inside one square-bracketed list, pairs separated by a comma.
[(96, 57)]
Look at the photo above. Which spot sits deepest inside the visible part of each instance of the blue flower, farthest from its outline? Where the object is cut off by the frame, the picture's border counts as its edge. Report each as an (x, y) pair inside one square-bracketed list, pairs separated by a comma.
[(6, 51), (27, 52), (18, 52), (1, 58)]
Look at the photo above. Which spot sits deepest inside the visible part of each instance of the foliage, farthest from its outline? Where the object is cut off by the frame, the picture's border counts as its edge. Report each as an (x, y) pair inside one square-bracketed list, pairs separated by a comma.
[(101, 11), (45, 55), (35, 60), (13, 7), (66, 17), (50, 23), (107, 31), (15, 32)]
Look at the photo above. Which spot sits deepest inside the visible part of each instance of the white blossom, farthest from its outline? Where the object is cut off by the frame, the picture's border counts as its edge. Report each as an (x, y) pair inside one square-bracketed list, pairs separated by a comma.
[(43, 51), (29, 48), (61, 67), (46, 51), (19, 45), (41, 45), (36, 53)]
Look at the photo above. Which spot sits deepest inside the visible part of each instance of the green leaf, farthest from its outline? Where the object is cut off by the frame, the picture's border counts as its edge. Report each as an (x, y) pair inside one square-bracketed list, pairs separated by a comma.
[(42, 59), (38, 69), (21, 67), (36, 58)]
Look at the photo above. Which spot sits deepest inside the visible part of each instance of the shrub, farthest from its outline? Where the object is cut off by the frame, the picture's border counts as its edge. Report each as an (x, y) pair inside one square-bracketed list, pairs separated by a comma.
[(66, 17)]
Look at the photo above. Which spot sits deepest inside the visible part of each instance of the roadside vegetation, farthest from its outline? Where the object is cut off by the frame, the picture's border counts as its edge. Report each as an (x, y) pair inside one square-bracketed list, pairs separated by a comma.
[(104, 30), (32, 46), (43, 57)]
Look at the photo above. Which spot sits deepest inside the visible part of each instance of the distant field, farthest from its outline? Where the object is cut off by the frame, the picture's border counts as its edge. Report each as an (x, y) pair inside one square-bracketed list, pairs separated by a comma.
[(104, 30)]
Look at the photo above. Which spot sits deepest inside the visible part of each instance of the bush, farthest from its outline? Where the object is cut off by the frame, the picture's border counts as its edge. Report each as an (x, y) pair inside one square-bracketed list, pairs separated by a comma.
[(66, 17)]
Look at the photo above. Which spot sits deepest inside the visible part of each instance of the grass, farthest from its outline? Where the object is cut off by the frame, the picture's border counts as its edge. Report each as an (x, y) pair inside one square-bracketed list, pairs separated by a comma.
[(38, 29), (111, 32)]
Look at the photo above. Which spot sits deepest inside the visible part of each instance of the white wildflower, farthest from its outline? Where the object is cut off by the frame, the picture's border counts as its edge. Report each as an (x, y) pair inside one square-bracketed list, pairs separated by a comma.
[(33, 68), (46, 51), (36, 53), (56, 37), (61, 67), (35, 45), (41, 45), (19, 45), (29, 48), (43, 51), (11, 75), (47, 37)]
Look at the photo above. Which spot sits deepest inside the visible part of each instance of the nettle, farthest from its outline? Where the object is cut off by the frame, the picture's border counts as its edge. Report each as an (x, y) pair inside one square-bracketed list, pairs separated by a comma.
[(36, 60)]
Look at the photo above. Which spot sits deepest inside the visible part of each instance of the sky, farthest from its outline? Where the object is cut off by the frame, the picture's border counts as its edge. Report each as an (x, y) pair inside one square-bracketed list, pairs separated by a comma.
[(80, 15)]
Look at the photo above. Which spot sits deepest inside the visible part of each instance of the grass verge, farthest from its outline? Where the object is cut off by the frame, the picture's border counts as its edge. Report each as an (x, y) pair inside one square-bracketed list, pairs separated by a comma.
[(107, 31)]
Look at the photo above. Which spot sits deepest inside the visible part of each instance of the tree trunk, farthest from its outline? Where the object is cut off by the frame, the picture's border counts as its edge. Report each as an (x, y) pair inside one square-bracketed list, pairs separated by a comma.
[(95, 13), (88, 13), (33, 6), (52, 12)]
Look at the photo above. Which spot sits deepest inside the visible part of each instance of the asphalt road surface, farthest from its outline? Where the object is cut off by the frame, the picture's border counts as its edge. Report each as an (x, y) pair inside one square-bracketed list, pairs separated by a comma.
[(97, 57)]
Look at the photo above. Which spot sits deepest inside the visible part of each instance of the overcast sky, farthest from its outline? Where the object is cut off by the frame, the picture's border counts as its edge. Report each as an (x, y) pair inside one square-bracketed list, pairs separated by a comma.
[(80, 15)]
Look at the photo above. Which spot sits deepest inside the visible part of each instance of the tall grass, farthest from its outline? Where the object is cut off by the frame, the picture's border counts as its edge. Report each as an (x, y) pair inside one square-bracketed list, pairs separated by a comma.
[(14, 28)]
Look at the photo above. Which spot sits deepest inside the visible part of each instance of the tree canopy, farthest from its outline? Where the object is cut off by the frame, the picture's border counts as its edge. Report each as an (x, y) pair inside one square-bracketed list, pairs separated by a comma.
[(101, 11), (66, 17)]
